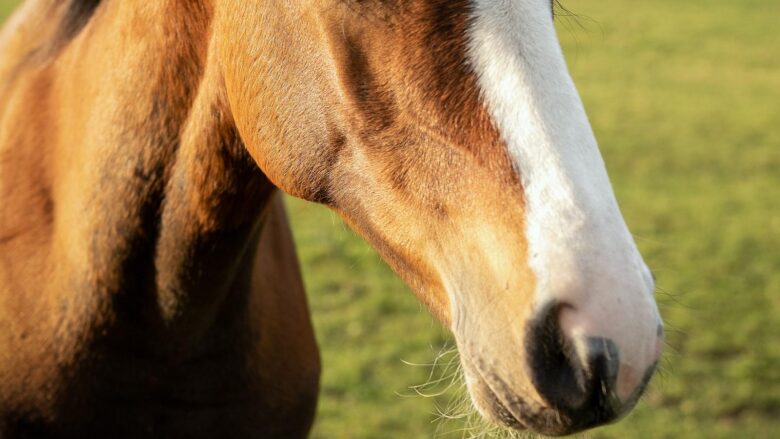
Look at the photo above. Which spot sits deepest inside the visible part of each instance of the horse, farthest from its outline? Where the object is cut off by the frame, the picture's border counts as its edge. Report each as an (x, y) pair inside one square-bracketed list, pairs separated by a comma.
[(149, 286)]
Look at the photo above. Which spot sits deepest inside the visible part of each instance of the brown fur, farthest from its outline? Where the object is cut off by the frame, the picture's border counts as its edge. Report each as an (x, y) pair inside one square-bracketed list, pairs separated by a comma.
[(148, 282)]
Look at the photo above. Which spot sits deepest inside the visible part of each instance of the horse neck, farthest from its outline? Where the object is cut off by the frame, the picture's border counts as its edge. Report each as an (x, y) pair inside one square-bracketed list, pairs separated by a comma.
[(180, 200), (214, 196), (211, 214)]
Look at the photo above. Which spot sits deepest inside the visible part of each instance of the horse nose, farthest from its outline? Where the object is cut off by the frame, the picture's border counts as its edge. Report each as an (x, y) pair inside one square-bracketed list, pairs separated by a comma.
[(579, 375)]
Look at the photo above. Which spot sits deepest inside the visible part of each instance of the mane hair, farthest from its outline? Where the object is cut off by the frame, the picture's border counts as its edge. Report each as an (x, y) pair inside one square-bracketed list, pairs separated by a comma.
[(76, 16)]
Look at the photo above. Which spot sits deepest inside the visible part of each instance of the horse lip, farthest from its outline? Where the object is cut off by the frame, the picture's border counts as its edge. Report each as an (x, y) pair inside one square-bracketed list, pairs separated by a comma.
[(519, 414), (500, 411), (505, 414)]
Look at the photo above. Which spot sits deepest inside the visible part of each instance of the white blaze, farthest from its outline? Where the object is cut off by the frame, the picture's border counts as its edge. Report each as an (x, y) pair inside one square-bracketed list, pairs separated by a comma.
[(580, 248)]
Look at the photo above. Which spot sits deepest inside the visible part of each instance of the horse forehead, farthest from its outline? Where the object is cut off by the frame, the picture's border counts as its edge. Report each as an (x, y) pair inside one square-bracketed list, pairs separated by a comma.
[(425, 45), (460, 87), (434, 49)]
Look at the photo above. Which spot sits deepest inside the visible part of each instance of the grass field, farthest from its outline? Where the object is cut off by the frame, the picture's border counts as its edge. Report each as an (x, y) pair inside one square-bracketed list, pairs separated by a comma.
[(684, 97)]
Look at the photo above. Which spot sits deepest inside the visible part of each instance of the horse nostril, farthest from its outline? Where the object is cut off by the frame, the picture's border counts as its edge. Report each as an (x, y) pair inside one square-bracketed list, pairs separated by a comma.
[(554, 364), (583, 387), (603, 364)]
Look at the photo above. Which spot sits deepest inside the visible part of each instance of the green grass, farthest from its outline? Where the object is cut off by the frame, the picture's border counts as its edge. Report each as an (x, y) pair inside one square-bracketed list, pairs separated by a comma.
[(684, 97), (6, 6)]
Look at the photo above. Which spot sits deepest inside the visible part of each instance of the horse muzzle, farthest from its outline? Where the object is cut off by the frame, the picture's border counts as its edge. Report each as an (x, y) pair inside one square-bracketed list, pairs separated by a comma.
[(567, 382)]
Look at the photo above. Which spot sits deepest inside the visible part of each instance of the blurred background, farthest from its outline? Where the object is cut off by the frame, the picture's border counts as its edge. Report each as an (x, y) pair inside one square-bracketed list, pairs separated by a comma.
[(684, 96)]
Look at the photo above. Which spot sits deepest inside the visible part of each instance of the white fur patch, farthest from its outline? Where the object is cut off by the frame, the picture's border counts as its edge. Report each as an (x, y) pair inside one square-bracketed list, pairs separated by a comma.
[(580, 248)]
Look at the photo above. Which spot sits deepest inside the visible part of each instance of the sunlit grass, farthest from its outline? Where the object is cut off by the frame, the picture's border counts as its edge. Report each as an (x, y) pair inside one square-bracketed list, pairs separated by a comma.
[(684, 97)]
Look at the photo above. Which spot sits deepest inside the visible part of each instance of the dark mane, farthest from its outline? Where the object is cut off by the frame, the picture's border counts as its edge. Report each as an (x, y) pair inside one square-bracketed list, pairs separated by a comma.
[(76, 16)]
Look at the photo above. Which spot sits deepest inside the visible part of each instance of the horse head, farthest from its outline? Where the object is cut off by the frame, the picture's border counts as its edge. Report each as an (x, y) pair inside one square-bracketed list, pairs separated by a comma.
[(450, 135)]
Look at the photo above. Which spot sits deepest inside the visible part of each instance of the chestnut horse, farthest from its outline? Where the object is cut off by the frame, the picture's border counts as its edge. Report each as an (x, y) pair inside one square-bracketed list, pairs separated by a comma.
[(148, 281)]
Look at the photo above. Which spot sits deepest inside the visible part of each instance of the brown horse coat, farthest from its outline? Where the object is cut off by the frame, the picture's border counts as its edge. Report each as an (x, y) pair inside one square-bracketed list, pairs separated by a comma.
[(148, 281)]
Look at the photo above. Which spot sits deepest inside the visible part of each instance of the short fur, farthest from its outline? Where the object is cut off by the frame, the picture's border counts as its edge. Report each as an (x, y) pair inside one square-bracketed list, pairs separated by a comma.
[(148, 281)]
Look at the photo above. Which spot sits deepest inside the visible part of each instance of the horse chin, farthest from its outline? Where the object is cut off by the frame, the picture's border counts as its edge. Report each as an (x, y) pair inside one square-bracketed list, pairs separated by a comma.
[(489, 406), (486, 401)]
